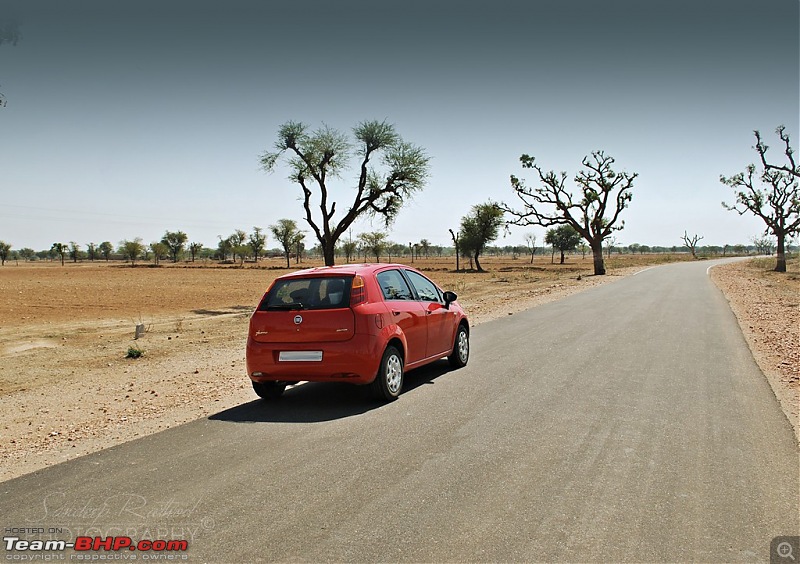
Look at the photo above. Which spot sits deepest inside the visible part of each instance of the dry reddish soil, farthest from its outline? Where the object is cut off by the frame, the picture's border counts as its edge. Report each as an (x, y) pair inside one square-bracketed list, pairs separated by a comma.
[(66, 388)]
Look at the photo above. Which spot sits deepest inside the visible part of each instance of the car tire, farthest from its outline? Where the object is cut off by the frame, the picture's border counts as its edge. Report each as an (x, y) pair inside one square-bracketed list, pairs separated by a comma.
[(460, 355), (389, 382), (269, 390)]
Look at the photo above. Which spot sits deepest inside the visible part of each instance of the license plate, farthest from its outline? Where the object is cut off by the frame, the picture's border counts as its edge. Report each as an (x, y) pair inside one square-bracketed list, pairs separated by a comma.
[(300, 356)]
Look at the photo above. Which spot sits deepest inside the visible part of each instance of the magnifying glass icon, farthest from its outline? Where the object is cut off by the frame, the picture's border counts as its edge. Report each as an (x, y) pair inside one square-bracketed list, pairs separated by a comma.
[(784, 550)]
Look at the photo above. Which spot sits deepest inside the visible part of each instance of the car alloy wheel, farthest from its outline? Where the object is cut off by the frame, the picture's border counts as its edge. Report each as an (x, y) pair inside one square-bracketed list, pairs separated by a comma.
[(389, 381), (460, 355)]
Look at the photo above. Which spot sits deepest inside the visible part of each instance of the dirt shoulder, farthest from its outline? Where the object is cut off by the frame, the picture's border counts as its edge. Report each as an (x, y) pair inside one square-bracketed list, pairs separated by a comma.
[(66, 388), (767, 305)]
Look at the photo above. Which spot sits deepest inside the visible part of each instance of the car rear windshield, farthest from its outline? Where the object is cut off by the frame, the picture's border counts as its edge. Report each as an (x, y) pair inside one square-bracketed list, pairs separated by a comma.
[(308, 293)]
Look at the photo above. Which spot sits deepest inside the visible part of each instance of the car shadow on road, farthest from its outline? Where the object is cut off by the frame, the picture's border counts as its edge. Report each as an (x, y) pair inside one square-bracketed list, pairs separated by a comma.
[(316, 402)]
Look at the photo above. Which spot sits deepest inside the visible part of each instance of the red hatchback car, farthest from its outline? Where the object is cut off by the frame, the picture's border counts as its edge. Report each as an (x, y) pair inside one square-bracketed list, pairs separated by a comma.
[(359, 323)]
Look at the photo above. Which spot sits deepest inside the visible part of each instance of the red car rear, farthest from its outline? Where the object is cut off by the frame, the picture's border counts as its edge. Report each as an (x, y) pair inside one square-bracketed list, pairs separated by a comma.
[(362, 324)]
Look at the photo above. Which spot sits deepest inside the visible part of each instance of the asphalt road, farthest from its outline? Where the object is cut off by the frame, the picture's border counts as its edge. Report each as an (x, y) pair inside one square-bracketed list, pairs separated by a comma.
[(625, 423)]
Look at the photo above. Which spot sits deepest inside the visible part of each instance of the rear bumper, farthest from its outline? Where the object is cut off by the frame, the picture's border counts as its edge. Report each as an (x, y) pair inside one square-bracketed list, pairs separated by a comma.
[(355, 361)]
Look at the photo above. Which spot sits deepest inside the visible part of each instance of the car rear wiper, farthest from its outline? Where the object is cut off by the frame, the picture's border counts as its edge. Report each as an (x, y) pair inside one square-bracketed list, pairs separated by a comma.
[(286, 307)]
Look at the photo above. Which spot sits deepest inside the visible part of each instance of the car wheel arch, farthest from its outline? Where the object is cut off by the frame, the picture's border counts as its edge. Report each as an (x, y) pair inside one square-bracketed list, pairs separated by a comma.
[(399, 345), (463, 322), (391, 333)]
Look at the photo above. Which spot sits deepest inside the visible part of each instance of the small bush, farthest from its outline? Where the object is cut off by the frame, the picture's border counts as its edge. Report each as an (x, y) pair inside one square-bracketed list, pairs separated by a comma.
[(134, 352)]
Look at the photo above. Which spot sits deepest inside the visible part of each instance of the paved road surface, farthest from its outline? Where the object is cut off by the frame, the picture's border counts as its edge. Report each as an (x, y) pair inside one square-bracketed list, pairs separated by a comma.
[(626, 423)]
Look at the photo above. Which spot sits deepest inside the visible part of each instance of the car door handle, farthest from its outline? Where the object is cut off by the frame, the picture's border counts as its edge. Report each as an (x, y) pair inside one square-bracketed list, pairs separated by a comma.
[(428, 311), (395, 312)]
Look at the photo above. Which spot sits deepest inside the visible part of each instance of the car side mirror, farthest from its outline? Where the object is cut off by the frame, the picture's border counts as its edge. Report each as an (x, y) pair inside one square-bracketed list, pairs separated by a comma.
[(449, 297)]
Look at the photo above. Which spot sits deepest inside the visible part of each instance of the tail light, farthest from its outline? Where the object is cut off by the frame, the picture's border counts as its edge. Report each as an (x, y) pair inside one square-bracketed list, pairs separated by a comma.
[(357, 291)]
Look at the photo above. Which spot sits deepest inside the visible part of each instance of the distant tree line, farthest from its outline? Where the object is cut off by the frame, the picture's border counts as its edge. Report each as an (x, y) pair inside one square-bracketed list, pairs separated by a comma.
[(584, 218), (366, 247)]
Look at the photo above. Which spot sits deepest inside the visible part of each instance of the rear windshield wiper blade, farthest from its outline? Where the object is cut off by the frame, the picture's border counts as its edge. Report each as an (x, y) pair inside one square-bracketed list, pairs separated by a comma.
[(286, 307)]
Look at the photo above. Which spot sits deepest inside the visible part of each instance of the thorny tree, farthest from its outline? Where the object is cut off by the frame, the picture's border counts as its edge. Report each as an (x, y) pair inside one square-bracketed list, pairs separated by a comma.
[(174, 241), (603, 194), (691, 242), (286, 233), (564, 238), (318, 156), (479, 228), (778, 203), (455, 237), (761, 147)]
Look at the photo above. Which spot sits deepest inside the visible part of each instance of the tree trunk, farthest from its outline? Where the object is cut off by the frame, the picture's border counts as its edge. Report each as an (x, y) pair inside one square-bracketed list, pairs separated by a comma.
[(287, 259), (562, 257), (781, 265), (477, 263), (328, 250), (597, 252)]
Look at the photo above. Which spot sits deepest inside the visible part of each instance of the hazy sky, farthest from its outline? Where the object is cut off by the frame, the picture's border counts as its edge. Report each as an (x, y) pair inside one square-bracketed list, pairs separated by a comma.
[(125, 119)]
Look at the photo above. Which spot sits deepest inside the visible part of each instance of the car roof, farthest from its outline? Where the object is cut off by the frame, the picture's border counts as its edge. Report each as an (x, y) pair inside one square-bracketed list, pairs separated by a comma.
[(344, 269)]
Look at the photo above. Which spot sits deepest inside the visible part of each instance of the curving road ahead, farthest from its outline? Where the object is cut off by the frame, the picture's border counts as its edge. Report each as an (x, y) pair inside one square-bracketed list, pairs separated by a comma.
[(625, 423)]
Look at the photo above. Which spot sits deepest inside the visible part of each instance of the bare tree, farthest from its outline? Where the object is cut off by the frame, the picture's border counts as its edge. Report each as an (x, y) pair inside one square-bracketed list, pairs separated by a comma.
[(530, 241), (455, 237), (793, 169), (691, 242), (610, 242), (325, 153), (764, 245), (603, 194), (777, 204)]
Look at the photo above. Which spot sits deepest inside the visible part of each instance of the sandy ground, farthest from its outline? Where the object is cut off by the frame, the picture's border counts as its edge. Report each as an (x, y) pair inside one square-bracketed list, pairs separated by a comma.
[(66, 388)]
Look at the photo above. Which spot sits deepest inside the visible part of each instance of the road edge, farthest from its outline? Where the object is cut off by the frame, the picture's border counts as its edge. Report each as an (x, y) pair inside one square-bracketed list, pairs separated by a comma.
[(785, 397)]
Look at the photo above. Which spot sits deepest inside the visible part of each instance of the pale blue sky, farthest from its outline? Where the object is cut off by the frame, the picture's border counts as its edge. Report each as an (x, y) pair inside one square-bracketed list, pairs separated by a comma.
[(127, 119)]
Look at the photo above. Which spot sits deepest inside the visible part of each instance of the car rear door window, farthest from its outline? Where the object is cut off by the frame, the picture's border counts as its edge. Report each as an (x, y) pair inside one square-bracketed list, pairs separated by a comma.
[(393, 285), (426, 290)]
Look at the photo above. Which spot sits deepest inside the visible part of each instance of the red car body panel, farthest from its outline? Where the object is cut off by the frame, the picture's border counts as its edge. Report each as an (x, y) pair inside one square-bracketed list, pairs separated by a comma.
[(351, 339)]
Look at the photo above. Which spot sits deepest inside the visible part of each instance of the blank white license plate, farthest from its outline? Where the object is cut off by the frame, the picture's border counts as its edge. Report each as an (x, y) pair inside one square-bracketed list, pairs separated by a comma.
[(300, 356)]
